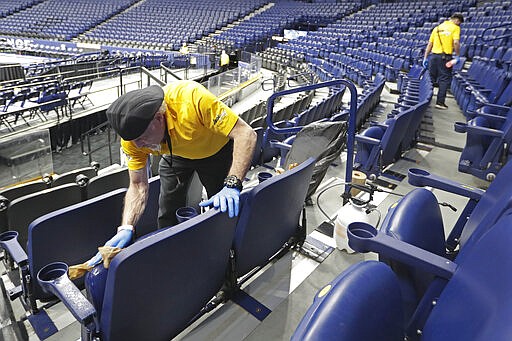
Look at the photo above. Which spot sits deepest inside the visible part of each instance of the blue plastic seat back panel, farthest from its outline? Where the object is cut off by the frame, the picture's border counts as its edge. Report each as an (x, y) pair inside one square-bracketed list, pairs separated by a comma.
[(73, 234), (476, 304), (416, 219), (270, 216), (496, 200), (158, 284), (393, 137), (363, 303)]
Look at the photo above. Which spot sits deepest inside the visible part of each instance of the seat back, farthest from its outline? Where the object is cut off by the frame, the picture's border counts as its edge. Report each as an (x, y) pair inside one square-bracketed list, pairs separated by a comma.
[(394, 135), (363, 303), (158, 284), (476, 303), (15, 192), (104, 183), (70, 176), (416, 219), (269, 216), (24, 210), (73, 234)]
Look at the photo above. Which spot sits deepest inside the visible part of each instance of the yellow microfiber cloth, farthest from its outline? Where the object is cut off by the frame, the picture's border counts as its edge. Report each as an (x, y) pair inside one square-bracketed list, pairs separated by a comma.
[(107, 253)]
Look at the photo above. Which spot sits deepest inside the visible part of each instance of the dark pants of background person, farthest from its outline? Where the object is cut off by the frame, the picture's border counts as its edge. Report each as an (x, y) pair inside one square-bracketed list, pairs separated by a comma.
[(174, 182), (440, 74)]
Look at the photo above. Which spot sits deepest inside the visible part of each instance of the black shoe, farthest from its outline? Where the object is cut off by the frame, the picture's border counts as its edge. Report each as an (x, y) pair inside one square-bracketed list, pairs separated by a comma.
[(441, 106)]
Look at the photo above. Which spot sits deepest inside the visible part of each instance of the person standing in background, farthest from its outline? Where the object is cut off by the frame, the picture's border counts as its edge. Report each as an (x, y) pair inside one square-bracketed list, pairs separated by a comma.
[(443, 47)]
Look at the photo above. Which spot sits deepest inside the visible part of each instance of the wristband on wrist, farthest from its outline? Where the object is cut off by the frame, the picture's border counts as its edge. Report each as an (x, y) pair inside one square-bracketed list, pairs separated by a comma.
[(126, 227)]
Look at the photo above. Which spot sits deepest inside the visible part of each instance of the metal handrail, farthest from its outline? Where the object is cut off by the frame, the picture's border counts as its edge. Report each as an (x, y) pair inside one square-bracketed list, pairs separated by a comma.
[(87, 136), (168, 71)]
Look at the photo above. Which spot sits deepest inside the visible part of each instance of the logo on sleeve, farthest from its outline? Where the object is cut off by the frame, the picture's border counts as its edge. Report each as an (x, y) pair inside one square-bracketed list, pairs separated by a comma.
[(219, 117)]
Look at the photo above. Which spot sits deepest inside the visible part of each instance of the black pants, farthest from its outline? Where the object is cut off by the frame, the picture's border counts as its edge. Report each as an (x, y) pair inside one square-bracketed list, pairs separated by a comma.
[(440, 74), (175, 180)]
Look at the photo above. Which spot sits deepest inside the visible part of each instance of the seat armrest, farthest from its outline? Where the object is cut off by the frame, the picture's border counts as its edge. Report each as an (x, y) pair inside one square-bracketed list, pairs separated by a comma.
[(419, 178), (9, 242), (363, 237), (368, 140), (54, 279)]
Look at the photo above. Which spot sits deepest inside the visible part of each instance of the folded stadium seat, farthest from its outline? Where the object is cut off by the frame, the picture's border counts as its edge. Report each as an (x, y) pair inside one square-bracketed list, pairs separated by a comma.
[(71, 176), (160, 267), (487, 90), (487, 144), (506, 60), (499, 106), (381, 144), (23, 210), (11, 193), (412, 77), (413, 132), (269, 219), (107, 182), (392, 70), (474, 304)]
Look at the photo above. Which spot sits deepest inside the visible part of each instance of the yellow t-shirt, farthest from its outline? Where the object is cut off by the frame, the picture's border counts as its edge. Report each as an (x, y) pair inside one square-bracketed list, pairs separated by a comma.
[(443, 42), (197, 121), (224, 59)]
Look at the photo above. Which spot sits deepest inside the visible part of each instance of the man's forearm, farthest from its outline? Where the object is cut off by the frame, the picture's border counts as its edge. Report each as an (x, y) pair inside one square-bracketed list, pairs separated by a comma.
[(243, 149), (427, 50), (134, 204), (456, 48)]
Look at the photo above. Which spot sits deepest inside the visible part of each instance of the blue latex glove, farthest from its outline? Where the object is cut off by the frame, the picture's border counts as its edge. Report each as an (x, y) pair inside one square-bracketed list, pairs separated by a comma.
[(425, 63), (120, 240), (227, 199)]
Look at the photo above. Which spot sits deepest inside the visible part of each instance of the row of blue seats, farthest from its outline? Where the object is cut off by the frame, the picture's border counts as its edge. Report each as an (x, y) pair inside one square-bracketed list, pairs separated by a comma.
[(383, 143), (482, 83), (488, 137), (46, 18), (423, 288), (20, 206), (215, 245), (198, 23)]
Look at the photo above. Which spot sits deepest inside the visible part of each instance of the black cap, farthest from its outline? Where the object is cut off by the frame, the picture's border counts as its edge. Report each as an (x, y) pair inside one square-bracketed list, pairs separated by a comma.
[(131, 113), (458, 16)]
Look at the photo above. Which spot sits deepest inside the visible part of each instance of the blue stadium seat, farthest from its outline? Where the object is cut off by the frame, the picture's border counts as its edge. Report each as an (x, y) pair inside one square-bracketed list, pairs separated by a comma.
[(363, 302)]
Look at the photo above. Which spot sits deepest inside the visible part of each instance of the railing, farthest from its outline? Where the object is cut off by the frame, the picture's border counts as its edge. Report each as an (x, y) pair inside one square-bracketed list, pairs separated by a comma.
[(86, 136)]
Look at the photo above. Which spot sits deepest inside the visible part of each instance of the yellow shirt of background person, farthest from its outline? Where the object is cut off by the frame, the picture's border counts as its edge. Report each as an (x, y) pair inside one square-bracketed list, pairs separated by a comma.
[(224, 58), (448, 32), (184, 49), (198, 124)]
